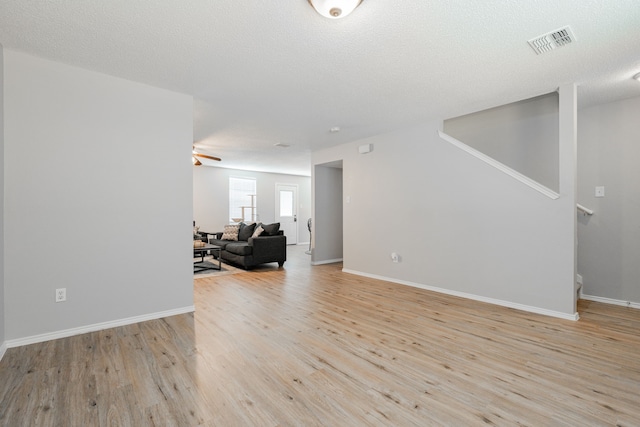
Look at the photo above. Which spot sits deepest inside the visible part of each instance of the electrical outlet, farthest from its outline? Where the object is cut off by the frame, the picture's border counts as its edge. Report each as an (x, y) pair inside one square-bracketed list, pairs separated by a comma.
[(61, 294), (395, 257)]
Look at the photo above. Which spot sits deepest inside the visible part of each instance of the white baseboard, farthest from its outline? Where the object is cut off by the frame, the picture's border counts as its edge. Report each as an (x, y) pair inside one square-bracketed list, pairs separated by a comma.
[(303, 243), (610, 301), (509, 304), (327, 261), (96, 327), (3, 349)]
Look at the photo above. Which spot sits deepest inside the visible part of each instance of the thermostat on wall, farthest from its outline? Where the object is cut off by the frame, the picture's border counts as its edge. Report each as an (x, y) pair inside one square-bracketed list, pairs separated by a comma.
[(365, 148)]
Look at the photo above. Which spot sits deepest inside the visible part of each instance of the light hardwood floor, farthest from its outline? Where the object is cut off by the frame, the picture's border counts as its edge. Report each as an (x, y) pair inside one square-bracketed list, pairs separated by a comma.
[(307, 346)]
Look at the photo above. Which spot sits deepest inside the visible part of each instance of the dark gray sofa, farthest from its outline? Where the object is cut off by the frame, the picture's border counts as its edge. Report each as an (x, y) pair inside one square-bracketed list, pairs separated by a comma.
[(254, 250)]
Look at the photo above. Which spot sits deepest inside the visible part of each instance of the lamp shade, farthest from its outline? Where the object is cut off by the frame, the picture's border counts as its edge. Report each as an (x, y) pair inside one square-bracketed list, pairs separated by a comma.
[(334, 9)]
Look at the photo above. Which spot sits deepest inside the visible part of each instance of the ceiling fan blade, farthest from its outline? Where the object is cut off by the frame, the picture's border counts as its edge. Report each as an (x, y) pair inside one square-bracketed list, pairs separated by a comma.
[(207, 157), (197, 162)]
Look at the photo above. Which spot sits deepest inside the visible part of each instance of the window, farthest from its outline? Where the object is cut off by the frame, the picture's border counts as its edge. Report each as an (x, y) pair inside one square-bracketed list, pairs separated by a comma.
[(242, 199), (286, 203)]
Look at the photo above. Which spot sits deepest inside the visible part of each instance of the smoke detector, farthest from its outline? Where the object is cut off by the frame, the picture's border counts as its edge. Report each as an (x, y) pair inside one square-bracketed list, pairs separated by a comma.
[(552, 40)]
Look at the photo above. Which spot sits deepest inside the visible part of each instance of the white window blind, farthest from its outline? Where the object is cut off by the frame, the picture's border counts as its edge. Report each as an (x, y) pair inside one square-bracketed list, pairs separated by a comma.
[(240, 192)]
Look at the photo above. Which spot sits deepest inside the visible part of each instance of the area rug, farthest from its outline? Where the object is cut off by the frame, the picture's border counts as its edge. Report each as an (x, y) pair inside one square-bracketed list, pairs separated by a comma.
[(226, 269)]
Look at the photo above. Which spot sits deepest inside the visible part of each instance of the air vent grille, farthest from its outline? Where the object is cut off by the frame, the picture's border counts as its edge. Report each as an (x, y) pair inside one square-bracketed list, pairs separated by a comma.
[(552, 40)]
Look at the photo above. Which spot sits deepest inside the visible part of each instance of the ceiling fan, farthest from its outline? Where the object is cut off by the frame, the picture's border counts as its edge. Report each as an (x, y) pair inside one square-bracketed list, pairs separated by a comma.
[(195, 155)]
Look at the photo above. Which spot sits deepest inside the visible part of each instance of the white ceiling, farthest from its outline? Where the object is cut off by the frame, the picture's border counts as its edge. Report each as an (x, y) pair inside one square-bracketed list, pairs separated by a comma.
[(267, 72)]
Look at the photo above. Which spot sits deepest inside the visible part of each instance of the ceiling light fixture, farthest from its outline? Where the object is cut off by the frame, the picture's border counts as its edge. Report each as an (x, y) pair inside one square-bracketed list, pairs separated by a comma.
[(195, 154), (637, 77), (334, 9)]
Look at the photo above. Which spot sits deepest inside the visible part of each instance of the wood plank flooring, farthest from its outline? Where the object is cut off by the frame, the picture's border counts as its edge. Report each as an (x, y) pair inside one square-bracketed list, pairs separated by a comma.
[(312, 346)]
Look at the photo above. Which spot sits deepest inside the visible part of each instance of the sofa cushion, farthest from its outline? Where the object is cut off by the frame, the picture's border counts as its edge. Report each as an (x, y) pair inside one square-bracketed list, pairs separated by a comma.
[(230, 232), (259, 231), (239, 248), (246, 231), (270, 229)]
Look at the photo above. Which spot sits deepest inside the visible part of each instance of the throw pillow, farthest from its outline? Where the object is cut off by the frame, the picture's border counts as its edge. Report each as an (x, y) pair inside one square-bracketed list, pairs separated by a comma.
[(259, 231), (246, 231), (230, 232), (271, 229)]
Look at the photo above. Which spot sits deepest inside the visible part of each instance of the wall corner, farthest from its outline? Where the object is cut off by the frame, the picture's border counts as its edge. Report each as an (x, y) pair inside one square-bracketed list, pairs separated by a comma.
[(568, 137)]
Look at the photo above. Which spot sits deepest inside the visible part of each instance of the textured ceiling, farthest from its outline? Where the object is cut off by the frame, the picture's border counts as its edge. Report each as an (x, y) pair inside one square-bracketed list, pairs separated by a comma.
[(265, 72)]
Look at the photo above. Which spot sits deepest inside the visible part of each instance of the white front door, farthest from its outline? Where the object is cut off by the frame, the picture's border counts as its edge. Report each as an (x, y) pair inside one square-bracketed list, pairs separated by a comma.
[(287, 211)]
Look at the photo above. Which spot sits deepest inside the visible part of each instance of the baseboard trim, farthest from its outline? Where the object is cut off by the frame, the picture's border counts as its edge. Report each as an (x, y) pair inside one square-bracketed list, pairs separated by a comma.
[(610, 301), (327, 261), (302, 243), (474, 297), (96, 327), (3, 349)]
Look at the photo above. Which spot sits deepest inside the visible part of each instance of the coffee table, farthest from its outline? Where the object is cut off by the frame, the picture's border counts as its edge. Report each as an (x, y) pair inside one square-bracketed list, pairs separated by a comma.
[(201, 252)]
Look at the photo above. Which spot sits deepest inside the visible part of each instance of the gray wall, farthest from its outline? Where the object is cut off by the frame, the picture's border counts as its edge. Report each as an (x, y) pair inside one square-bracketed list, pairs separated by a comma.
[(609, 241), (522, 135), (98, 198), (2, 303), (458, 224), (327, 218), (211, 197)]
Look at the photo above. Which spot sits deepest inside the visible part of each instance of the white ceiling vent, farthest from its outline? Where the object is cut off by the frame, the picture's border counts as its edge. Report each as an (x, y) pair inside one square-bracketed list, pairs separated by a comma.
[(552, 40)]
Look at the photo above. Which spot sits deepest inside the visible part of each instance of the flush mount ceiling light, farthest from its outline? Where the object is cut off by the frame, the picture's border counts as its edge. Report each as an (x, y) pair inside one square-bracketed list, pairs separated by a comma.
[(334, 9)]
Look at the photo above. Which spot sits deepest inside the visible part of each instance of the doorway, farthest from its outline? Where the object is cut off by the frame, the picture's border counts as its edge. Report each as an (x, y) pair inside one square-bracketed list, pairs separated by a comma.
[(287, 211), (328, 214)]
